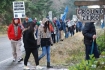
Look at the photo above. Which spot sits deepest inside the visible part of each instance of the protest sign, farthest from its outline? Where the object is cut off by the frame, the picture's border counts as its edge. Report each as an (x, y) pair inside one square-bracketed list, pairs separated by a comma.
[(90, 14), (19, 9)]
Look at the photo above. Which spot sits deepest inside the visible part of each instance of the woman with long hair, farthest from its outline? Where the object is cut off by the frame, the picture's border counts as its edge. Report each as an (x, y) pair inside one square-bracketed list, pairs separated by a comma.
[(30, 45), (45, 40)]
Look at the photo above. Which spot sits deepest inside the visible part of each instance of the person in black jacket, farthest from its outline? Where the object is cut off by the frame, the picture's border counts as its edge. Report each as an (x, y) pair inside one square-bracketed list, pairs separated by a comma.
[(89, 34), (30, 45)]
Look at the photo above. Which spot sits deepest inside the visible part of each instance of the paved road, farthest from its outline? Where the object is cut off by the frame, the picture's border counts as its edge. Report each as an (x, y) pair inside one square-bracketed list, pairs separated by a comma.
[(5, 48), (6, 57)]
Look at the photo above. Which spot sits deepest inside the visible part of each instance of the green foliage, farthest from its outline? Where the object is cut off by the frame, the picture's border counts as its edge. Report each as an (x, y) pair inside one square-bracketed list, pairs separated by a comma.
[(101, 42), (38, 9), (92, 64), (72, 8), (34, 8), (4, 4)]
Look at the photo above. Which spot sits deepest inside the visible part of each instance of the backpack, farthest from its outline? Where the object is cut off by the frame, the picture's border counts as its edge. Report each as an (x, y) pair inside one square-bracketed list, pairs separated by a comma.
[(51, 28)]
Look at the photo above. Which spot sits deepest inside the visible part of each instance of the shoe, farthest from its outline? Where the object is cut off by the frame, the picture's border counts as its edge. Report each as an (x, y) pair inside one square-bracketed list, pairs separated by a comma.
[(38, 67), (26, 68), (14, 60), (61, 40), (21, 59), (48, 65)]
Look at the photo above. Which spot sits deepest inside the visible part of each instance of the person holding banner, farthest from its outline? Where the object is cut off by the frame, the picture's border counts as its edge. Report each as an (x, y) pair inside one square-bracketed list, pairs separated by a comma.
[(89, 34), (14, 35)]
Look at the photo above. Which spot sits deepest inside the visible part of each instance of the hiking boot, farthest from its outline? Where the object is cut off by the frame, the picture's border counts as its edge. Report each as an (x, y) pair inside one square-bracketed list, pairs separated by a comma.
[(48, 65)]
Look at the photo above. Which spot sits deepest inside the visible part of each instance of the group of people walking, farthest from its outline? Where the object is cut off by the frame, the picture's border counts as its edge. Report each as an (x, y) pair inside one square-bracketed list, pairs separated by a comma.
[(33, 37), (40, 33)]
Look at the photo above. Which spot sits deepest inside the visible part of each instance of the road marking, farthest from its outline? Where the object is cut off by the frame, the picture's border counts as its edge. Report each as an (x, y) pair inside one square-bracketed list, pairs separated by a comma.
[(5, 60)]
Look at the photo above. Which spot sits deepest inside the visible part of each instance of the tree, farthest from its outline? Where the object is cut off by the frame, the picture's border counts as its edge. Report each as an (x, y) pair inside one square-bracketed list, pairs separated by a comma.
[(39, 8), (34, 8)]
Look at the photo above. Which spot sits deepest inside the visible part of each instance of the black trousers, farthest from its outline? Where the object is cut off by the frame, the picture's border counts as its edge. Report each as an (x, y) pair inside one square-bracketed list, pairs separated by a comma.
[(76, 29), (34, 51), (88, 49), (71, 31), (53, 37)]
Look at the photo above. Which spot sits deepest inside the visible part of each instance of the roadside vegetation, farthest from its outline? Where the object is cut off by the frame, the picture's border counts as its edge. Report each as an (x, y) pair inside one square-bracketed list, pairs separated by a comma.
[(71, 54)]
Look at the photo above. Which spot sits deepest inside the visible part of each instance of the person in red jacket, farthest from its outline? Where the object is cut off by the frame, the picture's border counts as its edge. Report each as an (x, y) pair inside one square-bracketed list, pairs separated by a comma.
[(14, 35)]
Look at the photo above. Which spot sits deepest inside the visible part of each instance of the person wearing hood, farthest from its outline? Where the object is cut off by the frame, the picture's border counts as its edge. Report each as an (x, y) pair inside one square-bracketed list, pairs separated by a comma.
[(89, 33), (14, 35), (45, 40), (30, 44)]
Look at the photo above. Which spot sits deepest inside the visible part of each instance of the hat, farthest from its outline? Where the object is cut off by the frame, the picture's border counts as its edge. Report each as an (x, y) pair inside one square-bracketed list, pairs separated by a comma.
[(44, 20), (38, 23), (30, 20)]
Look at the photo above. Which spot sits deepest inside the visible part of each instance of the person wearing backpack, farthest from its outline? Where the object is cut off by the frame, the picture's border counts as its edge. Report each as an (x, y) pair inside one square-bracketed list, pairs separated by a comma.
[(53, 31), (45, 40)]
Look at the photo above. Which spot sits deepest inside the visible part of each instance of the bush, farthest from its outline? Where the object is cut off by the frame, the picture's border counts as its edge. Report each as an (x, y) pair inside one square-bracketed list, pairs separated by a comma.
[(101, 43), (92, 64)]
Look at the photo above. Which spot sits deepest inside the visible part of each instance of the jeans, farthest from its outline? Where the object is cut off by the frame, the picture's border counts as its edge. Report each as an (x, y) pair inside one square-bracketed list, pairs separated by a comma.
[(53, 37), (45, 50), (57, 36), (88, 49), (66, 34)]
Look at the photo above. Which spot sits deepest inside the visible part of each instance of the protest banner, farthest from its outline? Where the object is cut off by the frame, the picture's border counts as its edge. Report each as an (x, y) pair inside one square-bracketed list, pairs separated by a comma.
[(19, 9)]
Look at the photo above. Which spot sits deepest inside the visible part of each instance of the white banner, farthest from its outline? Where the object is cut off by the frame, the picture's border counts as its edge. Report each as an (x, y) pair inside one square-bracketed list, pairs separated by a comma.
[(50, 15), (61, 16), (74, 18), (19, 9)]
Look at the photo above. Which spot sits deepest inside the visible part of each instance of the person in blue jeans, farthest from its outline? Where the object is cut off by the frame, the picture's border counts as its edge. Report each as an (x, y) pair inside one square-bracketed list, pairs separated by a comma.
[(45, 50), (45, 40), (58, 25)]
